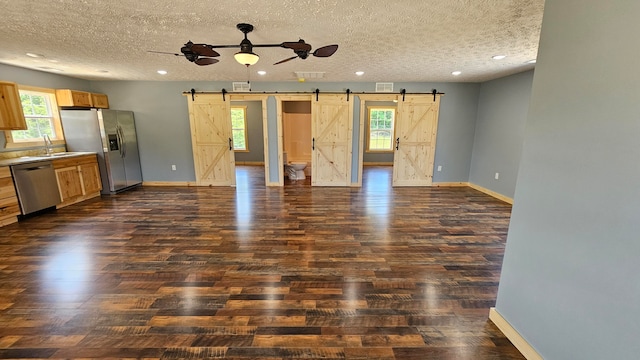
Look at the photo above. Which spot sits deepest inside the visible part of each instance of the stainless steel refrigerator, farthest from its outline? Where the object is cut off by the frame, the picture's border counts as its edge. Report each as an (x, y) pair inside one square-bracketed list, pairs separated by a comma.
[(112, 135)]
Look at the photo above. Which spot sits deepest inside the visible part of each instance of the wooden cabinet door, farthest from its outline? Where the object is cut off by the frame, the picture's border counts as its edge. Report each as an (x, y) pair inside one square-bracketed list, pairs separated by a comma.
[(69, 183), (11, 115), (211, 139), (90, 178), (416, 129), (9, 207), (67, 97), (331, 132), (99, 101)]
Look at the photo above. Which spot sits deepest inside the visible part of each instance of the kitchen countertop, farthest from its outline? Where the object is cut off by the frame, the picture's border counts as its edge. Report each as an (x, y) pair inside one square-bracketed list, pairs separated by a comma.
[(28, 159)]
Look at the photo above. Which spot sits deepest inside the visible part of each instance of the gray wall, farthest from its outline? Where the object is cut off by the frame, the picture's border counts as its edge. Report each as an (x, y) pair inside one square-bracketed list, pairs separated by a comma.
[(163, 122), (569, 280), (456, 129), (162, 118), (255, 140), (502, 113)]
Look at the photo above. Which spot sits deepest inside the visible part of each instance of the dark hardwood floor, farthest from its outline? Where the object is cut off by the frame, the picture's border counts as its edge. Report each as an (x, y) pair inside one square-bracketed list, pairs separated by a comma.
[(258, 273)]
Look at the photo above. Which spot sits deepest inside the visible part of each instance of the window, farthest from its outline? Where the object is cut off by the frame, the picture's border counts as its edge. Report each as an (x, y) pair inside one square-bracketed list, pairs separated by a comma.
[(41, 114), (381, 129), (239, 128)]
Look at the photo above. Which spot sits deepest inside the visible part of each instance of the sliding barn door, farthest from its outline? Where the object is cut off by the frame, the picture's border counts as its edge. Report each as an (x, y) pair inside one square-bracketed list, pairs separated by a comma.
[(331, 131), (213, 157), (416, 128)]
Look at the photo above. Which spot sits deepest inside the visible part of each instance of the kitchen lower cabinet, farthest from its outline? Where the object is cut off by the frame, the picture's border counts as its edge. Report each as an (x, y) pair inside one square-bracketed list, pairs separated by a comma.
[(9, 208), (78, 179)]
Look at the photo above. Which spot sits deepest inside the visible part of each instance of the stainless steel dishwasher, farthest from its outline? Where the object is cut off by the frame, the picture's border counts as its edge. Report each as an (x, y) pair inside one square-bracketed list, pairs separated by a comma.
[(36, 186)]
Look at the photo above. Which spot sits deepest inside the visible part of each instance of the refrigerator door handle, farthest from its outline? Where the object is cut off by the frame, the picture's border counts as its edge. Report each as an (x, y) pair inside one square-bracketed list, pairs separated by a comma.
[(119, 139), (123, 141)]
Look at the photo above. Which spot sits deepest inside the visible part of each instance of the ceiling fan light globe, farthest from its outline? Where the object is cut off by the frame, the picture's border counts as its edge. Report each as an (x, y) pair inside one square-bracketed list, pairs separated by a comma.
[(246, 58)]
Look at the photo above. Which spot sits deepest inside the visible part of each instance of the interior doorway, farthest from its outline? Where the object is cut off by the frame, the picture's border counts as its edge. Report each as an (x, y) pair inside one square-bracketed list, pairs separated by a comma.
[(296, 141), (247, 134), (379, 133)]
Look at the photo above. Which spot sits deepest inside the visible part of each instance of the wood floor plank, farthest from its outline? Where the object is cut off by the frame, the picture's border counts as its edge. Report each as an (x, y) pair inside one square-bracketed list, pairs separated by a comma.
[(258, 273)]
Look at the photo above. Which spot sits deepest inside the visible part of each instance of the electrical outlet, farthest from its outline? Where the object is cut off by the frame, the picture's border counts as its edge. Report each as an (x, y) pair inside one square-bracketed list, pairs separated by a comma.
[(439, 167), (173, 168), (497, 176)]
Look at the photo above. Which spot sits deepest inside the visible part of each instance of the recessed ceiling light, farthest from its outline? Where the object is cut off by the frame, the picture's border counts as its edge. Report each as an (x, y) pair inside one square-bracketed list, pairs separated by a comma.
[(532, 61), (34, 55), (162, 72), (498, 57), (262, 72), (456, 73), (359, 73)]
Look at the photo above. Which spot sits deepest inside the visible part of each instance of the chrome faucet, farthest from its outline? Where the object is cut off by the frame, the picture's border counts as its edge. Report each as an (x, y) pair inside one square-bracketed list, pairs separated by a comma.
[(48, 145)]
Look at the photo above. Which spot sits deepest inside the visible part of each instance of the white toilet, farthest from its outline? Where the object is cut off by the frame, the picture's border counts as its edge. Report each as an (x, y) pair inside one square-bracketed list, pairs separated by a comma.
[(295, 170)]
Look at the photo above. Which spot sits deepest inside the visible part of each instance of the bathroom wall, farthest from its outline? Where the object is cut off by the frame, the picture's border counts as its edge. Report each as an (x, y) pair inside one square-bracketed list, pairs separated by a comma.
[(296, 126)]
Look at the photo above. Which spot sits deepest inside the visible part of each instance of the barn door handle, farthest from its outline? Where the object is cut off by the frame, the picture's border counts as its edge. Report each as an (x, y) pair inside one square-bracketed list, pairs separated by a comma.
[(230, 144), (397, 143), (313, 143)]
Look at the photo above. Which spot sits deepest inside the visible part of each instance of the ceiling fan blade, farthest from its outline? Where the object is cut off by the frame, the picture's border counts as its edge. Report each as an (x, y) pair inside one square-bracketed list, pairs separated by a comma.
[(163, 52), (285, 60), (204, 50), (205, 61), (296, 45), (325, 51)]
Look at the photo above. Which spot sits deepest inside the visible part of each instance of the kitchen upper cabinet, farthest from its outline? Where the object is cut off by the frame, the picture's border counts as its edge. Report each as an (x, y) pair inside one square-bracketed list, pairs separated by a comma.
[(11, 115), (78, 179), (73, 98), (9, 208), (100, 101)]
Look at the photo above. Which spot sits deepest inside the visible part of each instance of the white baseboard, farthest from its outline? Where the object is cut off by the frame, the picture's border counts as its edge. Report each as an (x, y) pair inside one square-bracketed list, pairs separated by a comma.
[(450, 184), (506, 199), (516, 339)]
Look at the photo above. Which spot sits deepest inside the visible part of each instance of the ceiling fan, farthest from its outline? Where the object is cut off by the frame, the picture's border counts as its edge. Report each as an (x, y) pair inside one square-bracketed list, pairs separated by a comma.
[(196, 53), (203, 54)]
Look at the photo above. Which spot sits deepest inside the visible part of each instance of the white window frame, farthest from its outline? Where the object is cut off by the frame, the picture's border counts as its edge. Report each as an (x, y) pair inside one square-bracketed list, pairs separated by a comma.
[(55, 119), (393, 129), (246, 139)]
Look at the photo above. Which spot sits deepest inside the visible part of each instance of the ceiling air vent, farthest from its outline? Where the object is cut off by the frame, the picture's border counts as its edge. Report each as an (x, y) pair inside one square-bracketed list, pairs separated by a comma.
[(241, 86), (304, 75), (384, 87)]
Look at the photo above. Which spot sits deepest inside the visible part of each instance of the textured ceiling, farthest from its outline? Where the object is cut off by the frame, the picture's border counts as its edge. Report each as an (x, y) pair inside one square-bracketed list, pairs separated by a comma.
[(390, 40)]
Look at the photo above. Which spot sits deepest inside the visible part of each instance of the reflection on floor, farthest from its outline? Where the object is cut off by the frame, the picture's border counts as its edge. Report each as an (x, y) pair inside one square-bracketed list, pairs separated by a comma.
[(257, 272)]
